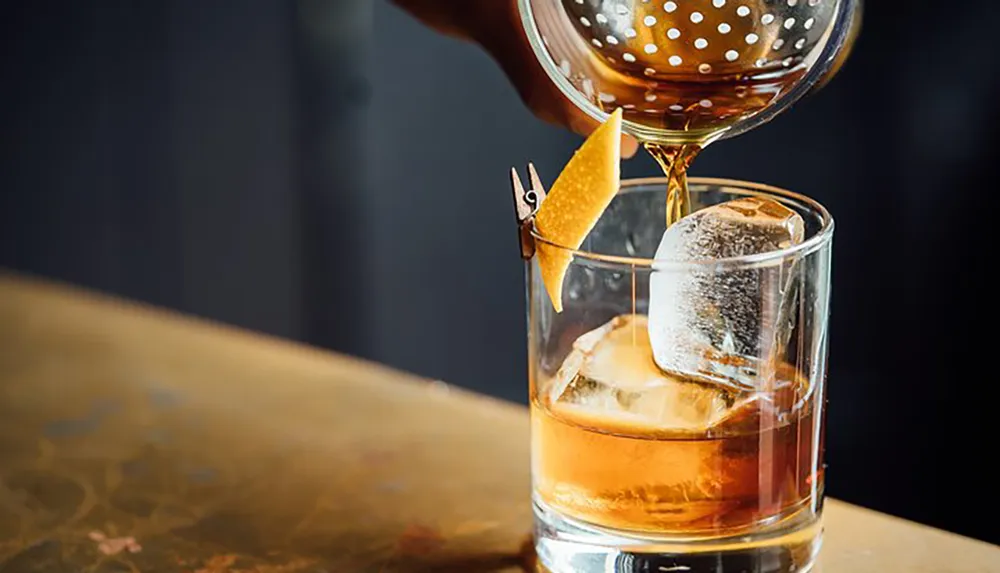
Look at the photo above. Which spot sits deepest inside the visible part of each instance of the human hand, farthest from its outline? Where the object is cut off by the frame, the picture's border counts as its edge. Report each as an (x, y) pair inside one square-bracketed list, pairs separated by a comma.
[(496, 26)]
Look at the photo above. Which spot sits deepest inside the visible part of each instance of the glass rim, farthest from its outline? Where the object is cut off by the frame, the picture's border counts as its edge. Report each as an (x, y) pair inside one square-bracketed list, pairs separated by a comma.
[(820, 239)]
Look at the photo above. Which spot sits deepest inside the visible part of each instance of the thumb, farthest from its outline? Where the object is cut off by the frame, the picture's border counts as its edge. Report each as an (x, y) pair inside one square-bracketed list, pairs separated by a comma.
[(629, 146)]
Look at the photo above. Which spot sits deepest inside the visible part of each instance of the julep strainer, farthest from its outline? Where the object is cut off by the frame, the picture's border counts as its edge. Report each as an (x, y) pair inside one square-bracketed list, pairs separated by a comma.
[(689, 71)]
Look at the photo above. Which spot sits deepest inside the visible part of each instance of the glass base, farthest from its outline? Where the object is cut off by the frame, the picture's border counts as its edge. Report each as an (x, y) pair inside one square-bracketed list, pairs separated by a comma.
[(565, 545)]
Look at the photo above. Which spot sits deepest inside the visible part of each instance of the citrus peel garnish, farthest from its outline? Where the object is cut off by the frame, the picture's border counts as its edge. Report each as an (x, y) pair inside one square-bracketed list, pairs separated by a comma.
[(576, 201)]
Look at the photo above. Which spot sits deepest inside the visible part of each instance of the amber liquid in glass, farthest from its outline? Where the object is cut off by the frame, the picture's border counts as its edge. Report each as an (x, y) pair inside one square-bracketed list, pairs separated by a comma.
[(678, 457)]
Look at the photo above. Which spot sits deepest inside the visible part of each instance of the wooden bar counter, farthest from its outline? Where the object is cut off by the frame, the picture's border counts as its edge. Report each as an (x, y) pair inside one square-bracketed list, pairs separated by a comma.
[(134, 440)]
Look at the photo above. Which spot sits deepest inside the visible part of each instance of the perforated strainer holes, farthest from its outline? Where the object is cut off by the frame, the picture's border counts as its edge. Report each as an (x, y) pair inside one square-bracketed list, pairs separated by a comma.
[(668, 41), (642, 31)]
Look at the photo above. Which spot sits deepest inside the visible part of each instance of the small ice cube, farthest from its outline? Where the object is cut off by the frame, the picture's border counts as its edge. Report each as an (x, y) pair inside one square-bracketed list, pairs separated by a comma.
[(609, 380), (724, 324)]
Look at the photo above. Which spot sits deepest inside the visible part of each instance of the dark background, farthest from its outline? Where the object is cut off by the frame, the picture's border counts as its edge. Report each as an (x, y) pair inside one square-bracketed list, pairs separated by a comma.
[(331, 172)]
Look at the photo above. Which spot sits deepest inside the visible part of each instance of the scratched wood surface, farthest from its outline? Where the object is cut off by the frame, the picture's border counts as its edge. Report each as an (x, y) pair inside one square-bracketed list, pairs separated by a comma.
[(135, 440)]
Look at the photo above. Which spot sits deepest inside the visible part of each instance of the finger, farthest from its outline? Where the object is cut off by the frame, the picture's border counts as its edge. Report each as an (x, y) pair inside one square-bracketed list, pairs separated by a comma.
[(629, 146)]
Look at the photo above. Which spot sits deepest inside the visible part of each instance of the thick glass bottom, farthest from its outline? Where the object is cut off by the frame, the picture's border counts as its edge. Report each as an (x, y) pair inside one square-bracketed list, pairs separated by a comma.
[(565, 545)]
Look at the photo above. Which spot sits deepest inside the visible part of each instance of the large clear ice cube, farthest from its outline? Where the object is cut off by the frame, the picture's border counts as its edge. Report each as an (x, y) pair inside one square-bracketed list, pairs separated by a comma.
[(725, 323)]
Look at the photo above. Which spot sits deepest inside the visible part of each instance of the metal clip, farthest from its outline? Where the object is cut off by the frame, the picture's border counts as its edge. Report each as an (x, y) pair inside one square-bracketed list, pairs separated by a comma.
[(526, 204)]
